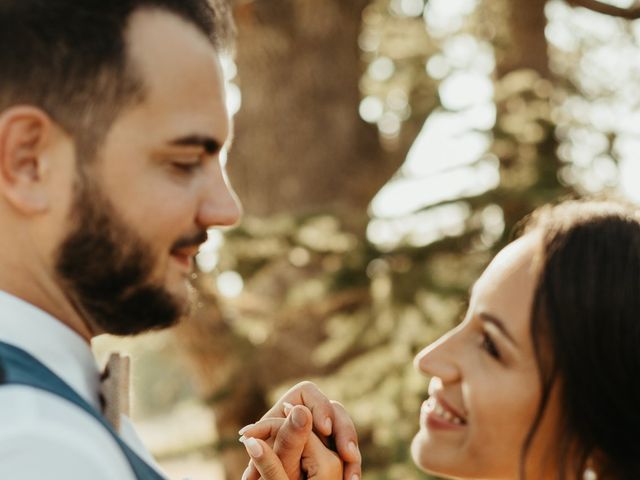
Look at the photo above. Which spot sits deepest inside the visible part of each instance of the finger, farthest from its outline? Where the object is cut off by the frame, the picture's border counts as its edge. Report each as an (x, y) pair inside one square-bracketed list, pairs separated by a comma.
[(307, 394), (352, 471), (346, 438), (264, 429), (250, 473), (265, 460), (292, 438), (320, 462), (347, 442)]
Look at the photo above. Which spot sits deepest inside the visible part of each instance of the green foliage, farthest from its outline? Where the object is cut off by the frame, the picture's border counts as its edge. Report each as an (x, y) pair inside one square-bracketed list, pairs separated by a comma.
[(373, 307), (349, 310), (369, 337)]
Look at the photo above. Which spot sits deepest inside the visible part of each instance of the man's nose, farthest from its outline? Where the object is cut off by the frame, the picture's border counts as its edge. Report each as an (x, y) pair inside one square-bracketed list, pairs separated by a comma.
[(220, 206)]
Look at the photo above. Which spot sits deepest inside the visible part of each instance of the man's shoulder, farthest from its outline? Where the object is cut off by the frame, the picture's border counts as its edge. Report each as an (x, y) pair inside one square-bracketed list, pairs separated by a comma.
[(25, 408), (44, 436)]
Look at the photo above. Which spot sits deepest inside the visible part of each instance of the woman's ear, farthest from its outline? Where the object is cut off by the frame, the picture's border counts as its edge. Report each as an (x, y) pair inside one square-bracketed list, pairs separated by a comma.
[(24, 136)]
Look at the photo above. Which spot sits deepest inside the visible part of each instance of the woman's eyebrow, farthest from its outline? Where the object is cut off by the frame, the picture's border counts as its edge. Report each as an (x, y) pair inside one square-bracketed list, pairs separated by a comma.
[(487, 317)]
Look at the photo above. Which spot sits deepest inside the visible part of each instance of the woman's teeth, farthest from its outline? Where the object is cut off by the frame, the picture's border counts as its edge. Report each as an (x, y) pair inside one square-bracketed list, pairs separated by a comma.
[(447, 415)]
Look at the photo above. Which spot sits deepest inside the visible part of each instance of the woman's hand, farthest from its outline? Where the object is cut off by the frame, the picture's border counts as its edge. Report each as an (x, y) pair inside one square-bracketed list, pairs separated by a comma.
[(330, 421), (315, 461)]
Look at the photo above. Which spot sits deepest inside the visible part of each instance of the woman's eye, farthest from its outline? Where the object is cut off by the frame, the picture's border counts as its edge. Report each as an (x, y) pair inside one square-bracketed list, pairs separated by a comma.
[(489, 345)]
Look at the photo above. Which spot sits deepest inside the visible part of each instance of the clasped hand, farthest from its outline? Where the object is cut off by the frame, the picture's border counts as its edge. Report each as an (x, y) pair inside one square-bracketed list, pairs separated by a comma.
[(304, 436)]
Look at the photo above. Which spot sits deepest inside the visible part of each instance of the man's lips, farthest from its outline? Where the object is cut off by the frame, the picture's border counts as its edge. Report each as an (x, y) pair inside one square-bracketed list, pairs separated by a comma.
[(184, 256)]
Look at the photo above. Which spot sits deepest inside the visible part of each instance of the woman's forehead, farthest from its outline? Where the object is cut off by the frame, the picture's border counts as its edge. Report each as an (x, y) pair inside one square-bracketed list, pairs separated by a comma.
[(506, 287), (515, 260)]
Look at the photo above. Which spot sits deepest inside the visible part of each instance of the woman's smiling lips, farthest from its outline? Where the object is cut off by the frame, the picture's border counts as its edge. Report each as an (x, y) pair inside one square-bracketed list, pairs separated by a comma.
[(437, 414)]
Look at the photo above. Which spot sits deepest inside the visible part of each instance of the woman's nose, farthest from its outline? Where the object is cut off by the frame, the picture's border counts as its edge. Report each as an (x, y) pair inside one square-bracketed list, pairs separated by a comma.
[(439, 360)]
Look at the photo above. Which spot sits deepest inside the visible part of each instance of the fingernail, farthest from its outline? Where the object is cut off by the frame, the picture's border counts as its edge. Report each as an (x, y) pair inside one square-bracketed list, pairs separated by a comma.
[(355, 476), (242, 439), (245, 474), (353, 449), (254, 449), (244, 429), (287, 407), (299, 419), (328, 425)]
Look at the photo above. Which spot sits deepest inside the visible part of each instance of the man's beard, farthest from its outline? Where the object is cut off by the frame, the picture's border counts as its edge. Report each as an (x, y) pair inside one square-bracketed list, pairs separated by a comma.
[(106, 267)]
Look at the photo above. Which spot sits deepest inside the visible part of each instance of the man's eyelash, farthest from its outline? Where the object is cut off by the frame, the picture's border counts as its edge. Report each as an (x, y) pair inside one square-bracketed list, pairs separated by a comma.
[(186, 167)]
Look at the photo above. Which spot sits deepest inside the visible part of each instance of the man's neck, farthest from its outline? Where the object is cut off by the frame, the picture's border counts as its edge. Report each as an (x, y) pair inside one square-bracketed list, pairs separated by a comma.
[(48, 296)]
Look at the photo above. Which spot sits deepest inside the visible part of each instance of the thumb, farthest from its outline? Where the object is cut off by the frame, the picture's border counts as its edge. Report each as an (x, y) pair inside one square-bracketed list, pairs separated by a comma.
[(265, 460), (292, 438)]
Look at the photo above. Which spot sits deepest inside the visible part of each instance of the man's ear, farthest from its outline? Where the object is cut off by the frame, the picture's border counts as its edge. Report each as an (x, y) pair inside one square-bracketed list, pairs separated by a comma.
[(24, 136)]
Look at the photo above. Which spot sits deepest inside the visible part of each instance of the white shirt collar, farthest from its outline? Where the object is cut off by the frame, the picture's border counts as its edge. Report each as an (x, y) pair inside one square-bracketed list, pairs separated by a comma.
[(51, 342)]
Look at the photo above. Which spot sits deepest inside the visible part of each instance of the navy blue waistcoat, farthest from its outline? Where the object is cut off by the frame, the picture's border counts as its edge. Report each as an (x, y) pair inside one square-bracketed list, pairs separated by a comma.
[(17, 367)]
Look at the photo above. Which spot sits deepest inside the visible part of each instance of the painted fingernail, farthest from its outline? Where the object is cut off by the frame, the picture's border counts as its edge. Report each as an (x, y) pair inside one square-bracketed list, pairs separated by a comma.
[(244, 429), (299, 419), (245, 474), (242, 439), (355, 476), (328, 425), (254, 449), (287, 407)]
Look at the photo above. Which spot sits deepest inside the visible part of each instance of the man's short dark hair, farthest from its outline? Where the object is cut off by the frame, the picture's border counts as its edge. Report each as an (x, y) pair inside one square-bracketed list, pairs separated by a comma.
[(69, 57)]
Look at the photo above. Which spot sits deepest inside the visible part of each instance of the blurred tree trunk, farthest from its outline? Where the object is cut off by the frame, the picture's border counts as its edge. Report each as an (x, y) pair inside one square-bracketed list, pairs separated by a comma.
[(300, 147), (529, 164), (527, 45)]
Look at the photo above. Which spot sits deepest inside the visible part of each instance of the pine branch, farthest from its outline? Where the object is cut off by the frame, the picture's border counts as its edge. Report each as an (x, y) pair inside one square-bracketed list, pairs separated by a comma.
[(629, 13)]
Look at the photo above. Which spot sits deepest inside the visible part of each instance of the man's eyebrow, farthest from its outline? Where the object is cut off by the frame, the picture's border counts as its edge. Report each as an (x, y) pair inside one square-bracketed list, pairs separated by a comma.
[(487, 317), (210, 145)]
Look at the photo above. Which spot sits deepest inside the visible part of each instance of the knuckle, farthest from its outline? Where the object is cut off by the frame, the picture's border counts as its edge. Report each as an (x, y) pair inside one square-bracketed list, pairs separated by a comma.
[(269, 471), (310, 467), (307, 385), (286, 440)]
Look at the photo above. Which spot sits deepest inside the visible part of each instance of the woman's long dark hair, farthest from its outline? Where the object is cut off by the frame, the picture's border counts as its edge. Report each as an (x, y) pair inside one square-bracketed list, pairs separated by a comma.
[(586, 333)]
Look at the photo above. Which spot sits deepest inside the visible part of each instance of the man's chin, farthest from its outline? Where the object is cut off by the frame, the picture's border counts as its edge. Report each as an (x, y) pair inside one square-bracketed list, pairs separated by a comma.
[(147, 310), (183, 295)]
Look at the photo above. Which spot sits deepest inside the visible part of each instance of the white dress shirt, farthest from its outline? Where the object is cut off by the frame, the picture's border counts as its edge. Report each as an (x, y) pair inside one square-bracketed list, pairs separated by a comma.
[(43, 436)]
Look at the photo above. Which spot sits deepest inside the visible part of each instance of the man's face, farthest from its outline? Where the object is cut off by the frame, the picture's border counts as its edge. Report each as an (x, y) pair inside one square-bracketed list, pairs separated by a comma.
[(143, 206)]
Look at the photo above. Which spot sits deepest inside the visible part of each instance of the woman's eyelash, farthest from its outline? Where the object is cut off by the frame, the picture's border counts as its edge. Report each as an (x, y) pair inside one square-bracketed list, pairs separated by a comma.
[(489, 345)]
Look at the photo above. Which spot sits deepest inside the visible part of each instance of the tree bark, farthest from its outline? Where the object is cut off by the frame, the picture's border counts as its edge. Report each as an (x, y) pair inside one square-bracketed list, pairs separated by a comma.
[(300, 143), (300, 146), (527, 46)]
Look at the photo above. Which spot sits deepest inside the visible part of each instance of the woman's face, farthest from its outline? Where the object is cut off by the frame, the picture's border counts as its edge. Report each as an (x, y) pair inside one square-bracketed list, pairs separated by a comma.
[(485, 387)]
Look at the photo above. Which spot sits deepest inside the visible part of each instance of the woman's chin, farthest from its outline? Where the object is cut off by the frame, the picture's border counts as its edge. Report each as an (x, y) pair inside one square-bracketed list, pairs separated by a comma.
[(430, 457), (420, 451)]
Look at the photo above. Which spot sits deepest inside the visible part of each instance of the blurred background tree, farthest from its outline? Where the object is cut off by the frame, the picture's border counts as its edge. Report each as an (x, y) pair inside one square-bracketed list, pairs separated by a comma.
[(384, 150)]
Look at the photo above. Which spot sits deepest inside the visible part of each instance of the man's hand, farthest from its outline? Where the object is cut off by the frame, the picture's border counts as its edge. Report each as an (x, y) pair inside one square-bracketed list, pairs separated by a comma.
[(297, 453), (329, 421)]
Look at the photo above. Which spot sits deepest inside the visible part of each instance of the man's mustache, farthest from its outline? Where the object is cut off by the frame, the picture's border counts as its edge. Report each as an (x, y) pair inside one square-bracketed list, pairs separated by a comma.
[(194, 240)]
